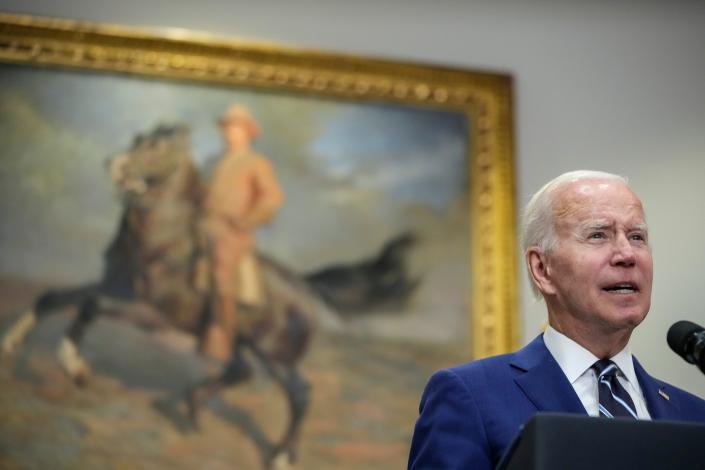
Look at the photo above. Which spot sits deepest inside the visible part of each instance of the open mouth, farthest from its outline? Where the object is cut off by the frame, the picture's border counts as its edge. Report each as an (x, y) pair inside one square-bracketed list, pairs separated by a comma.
[(622, 288)]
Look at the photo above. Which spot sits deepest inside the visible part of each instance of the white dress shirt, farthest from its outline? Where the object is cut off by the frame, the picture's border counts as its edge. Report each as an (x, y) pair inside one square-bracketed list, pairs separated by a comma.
[(576, 363)]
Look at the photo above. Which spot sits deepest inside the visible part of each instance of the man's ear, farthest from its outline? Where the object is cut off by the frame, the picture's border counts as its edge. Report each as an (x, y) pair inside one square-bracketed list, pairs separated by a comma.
[(539, 270)]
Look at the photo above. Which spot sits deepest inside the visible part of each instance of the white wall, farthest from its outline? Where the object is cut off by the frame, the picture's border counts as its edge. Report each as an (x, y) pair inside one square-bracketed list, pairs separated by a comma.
[(600, 85)]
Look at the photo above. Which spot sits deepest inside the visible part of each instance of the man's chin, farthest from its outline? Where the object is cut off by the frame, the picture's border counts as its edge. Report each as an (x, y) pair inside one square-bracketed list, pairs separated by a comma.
[(624, 319)]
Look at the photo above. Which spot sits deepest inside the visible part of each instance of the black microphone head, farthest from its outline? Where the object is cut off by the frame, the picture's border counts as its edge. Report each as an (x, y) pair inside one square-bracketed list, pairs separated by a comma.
[(679, 335)]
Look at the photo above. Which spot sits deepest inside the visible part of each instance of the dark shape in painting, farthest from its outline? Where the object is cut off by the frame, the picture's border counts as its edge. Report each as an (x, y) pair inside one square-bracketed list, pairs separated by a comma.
[(157, 275), (370, 284)]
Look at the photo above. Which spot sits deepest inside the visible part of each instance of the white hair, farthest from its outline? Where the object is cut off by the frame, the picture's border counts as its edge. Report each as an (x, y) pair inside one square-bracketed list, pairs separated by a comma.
[(538, 227)]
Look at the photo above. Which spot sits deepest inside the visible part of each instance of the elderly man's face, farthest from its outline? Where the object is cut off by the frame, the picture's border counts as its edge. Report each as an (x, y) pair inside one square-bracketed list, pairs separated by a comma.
[(601, 269)]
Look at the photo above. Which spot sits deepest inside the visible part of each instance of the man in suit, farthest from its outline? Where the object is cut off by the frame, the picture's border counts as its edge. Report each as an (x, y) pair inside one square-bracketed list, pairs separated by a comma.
[(587, 252)]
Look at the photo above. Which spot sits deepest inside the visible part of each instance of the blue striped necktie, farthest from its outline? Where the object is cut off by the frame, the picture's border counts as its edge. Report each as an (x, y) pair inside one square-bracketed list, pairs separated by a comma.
[(615, 402)]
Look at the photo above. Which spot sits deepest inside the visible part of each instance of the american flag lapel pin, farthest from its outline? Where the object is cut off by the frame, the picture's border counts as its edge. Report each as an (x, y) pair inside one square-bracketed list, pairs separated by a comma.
[(664, 394)]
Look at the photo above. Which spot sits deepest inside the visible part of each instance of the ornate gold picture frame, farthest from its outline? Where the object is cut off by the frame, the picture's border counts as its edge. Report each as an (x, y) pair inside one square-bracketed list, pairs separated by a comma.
[(480, 100)]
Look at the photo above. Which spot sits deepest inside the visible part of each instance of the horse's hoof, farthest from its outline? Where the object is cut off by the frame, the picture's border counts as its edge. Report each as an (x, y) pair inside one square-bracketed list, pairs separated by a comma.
[(281, 461), (16, 334), (73, 364)]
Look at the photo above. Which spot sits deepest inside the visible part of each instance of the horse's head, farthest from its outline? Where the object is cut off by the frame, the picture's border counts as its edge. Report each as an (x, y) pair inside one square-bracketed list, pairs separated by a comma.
[(152, 160)]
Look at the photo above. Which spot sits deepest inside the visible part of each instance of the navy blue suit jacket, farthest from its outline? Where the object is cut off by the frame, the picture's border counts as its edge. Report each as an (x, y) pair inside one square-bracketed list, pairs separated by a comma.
[(469, 414)]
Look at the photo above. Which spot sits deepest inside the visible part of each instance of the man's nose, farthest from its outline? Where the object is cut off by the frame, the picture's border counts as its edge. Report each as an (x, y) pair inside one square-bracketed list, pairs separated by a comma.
[(624, 254)]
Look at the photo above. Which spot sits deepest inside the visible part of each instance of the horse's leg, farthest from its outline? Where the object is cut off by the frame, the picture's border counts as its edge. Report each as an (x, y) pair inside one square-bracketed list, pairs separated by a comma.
[(298, 392), (236, 371), (48, 303), (71, 361)]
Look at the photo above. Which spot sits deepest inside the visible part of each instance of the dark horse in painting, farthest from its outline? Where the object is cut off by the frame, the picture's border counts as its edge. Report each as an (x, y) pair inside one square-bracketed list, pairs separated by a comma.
[(157, 275)]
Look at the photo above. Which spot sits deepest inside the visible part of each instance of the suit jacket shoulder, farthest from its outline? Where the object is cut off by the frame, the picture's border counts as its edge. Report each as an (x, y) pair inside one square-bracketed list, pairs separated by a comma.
[(469, 414)]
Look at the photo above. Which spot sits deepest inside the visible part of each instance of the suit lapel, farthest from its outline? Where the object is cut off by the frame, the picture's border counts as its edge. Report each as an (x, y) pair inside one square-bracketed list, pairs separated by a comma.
[(543, 382), (660, 403)]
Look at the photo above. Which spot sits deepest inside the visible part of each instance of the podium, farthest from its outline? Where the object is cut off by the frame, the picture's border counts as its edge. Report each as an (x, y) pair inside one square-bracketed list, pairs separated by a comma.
[(552, 441)]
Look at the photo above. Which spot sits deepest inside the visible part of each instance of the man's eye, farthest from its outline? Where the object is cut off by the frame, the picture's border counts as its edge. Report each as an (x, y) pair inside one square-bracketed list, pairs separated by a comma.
[(597, 235), (637, 237)]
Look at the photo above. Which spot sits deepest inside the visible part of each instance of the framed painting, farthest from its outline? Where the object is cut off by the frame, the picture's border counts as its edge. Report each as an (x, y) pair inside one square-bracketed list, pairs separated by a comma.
[(390, 252)]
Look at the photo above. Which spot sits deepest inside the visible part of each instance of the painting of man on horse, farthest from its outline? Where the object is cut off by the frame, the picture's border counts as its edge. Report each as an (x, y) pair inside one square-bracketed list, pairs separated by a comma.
[(347, 282)]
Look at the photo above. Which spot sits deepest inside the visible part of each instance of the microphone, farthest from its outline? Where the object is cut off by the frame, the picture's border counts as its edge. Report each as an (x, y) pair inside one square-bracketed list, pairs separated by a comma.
[(688, 341)]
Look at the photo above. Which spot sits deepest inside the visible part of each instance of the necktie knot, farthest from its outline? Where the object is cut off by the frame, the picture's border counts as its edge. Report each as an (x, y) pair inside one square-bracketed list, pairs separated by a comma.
[(605, 368)]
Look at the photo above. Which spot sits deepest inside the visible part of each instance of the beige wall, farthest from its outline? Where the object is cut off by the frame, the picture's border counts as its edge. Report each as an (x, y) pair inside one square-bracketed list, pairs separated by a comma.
[(599, 85)]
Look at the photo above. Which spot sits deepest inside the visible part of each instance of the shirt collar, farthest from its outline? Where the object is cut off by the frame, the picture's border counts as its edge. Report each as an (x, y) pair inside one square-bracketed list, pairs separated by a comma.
[(574, 359), (624, 361)]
